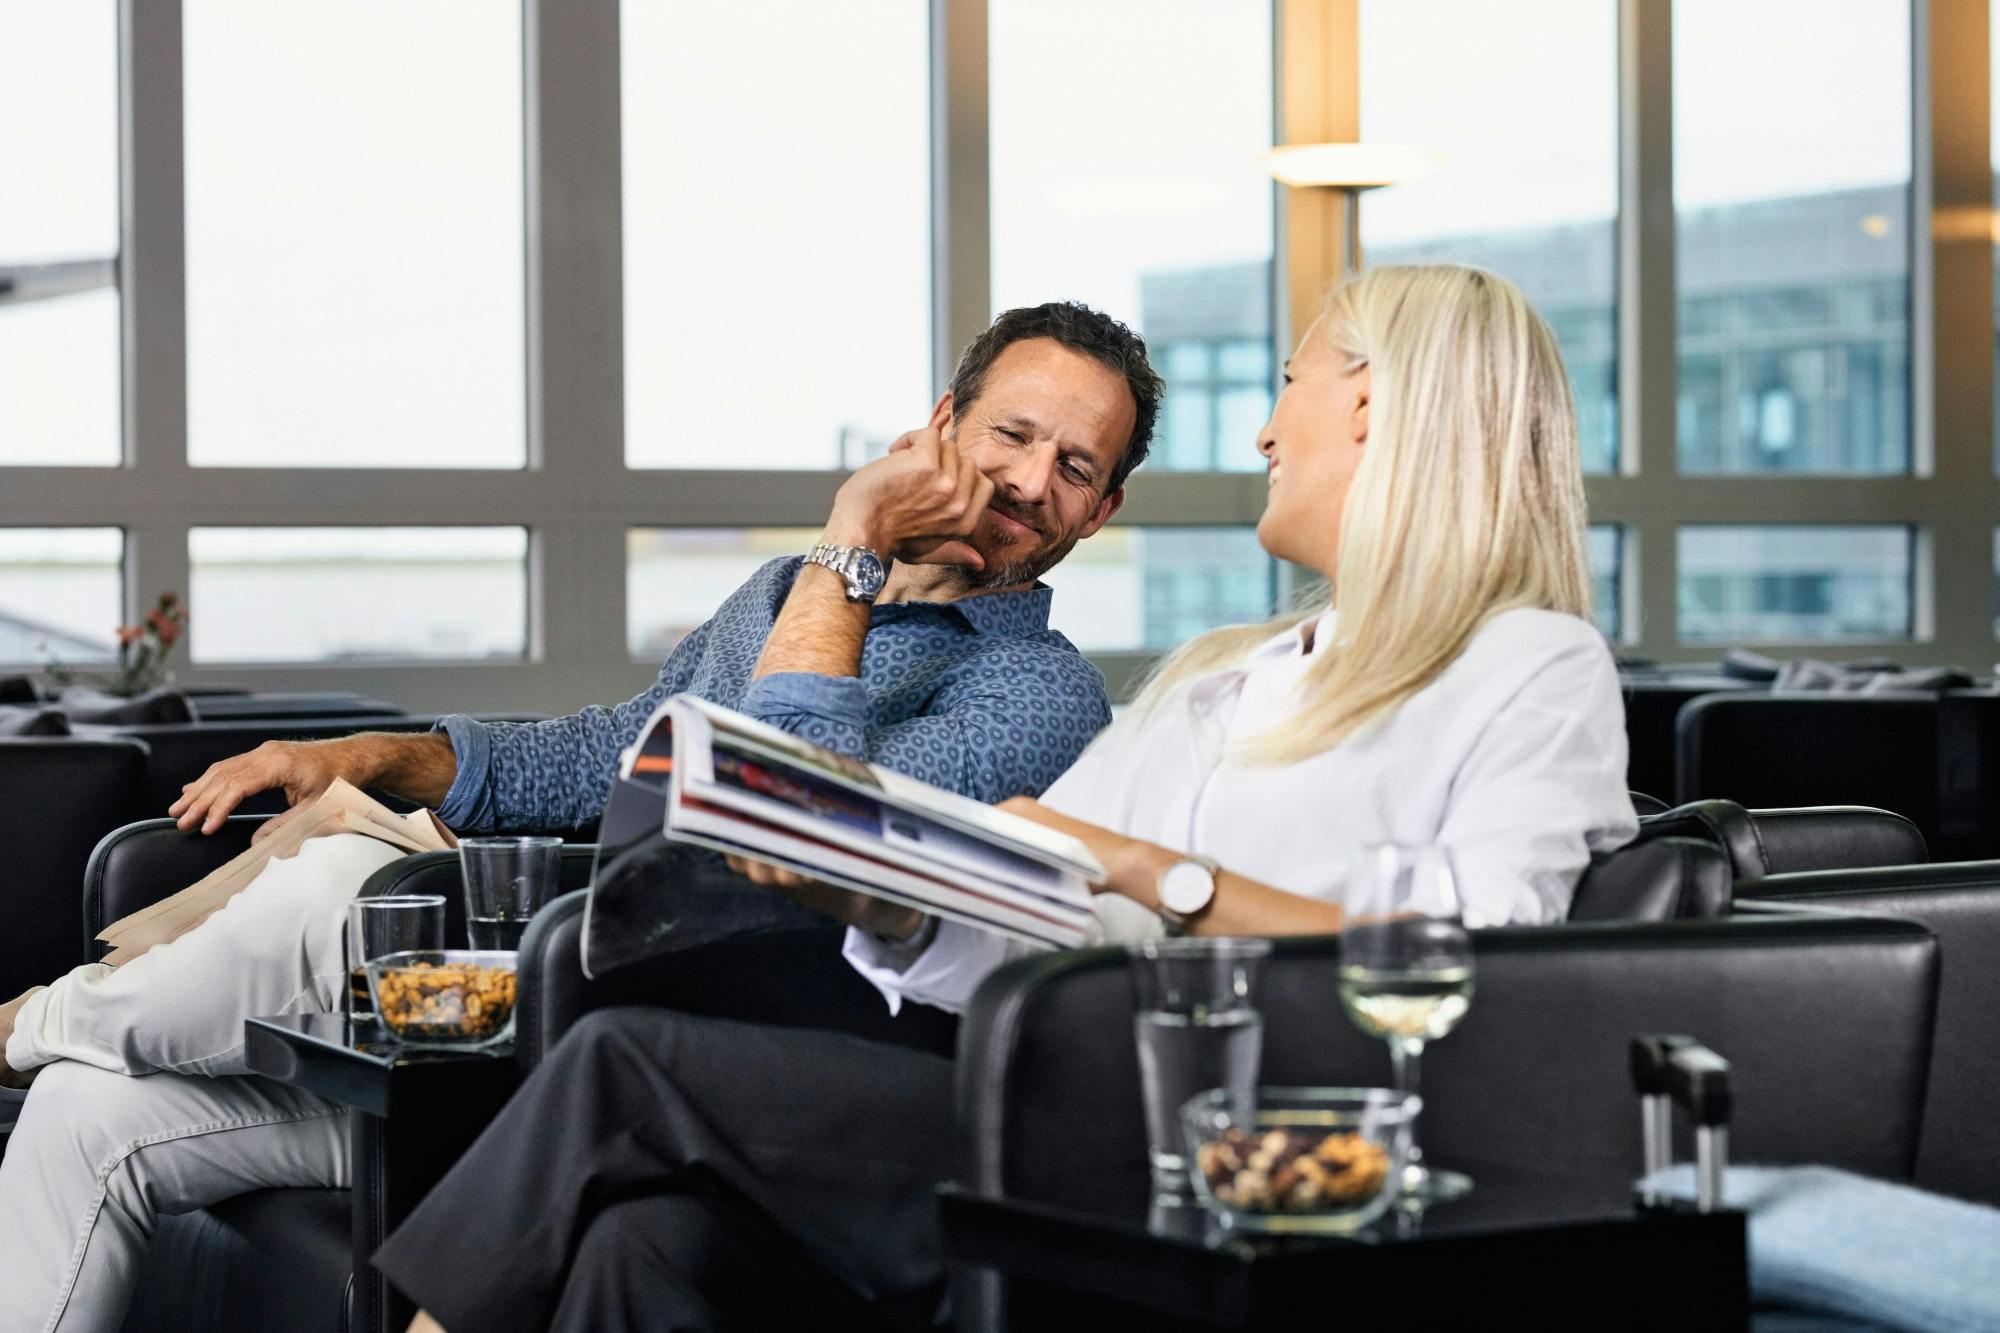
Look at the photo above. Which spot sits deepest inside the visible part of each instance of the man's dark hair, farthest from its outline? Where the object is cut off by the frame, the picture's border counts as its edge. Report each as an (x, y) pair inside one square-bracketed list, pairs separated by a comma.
[(1081, 329)]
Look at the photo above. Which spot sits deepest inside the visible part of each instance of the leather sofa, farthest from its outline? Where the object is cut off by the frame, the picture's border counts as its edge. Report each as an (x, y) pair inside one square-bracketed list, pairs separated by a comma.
[(58, 796), (219, 1260), (1960, 903), (282, 1258), (1826, 1021), (1924, 756)]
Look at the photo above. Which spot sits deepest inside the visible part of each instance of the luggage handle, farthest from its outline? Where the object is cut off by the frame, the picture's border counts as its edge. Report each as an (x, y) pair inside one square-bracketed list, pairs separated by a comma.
[(1673, 1069)]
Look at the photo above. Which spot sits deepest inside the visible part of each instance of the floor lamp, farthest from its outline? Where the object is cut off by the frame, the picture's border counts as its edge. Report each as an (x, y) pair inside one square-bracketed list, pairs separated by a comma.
[(1350, 168)]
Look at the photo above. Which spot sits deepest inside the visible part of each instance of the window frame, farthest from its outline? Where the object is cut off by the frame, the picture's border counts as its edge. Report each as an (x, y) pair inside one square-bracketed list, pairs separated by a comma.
[(578, 498)]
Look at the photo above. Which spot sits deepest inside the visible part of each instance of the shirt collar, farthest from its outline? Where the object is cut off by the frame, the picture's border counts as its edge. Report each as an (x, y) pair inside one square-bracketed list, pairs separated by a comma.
[(1005, 614), (1290, 643)]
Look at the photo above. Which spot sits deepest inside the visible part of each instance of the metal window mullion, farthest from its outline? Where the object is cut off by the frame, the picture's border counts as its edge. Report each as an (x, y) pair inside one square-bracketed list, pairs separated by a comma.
[(570, 494), (961, 182), (1647, 366), (153, 305), (1951, 321)]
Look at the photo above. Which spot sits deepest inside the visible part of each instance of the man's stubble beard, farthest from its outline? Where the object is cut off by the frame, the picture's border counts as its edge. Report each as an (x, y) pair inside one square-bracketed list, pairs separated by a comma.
[(1013, 573)]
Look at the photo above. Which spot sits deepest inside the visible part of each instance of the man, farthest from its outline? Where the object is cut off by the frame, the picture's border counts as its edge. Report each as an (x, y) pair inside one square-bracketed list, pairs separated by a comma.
[(941, 665)]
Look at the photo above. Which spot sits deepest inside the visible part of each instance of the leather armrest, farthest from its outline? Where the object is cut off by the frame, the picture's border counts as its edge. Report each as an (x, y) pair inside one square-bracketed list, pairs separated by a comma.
[(1658, 879), (139, 864)]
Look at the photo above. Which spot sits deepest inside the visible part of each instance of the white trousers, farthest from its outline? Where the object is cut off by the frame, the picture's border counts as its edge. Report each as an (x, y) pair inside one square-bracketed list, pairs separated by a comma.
[(142, 1107)]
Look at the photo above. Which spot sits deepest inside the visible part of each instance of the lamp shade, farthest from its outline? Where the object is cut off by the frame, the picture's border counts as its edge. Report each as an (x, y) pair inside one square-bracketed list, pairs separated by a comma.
[(1357, 166)]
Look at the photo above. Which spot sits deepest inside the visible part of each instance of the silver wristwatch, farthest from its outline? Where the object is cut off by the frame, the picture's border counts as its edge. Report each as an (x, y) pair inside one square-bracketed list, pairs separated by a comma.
[(1187, 888), (859, 566)]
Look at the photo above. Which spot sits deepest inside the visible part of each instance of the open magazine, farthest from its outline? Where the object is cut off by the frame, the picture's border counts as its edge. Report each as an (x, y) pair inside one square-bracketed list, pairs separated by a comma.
[(702, 776)]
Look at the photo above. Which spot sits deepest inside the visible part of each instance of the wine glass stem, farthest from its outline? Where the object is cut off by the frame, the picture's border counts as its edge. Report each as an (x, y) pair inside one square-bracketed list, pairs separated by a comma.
[(1406, 1059)]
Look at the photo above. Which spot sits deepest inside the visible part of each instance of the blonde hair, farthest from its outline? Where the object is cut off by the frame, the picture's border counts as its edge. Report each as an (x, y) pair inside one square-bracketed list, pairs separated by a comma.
[(1467, 502)]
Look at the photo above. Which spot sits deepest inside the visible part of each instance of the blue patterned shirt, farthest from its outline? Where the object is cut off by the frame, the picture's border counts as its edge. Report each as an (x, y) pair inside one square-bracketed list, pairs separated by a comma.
[(977, 695)]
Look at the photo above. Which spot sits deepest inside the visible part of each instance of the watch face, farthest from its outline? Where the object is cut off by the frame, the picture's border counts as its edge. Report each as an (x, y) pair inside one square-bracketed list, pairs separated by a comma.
[(868, 574), (1186, 887)]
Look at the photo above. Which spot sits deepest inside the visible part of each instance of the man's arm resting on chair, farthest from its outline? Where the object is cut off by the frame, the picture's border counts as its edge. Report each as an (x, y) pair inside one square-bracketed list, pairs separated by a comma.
[(418, 766)]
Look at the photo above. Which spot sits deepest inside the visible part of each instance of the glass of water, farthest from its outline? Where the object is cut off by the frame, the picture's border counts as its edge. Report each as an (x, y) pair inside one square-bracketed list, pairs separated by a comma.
[(378, 927), (1196, 1029), (1406, 973), (507, 880)]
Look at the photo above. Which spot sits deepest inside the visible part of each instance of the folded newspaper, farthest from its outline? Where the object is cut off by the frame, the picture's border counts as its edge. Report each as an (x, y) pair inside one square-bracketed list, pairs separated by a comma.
[(341, 808), (701, 776)]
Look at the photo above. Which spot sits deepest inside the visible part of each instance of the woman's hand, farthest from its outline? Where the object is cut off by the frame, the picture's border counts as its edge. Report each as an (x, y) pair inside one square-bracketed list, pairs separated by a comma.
[(872, 914), (1132, 866)]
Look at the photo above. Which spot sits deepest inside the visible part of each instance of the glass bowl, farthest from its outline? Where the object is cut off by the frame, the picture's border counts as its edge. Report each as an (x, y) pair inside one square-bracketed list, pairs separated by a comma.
[(1300, 1159), (445, 997)]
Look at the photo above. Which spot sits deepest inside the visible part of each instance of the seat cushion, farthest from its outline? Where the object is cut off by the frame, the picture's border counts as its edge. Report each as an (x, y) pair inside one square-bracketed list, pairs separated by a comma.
[(274, 1259)]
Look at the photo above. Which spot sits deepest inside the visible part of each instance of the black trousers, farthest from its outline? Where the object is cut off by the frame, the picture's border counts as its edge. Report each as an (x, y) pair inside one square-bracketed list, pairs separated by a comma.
[(661, 1171)]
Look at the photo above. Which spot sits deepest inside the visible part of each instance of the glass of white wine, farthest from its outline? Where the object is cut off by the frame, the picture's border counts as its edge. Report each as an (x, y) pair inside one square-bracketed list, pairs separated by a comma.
[(1406, 973)]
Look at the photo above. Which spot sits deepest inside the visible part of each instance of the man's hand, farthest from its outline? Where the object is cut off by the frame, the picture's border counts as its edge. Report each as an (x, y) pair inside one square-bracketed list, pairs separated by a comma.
[(914, 505), (855, 909), (9, 1076), (420, 767)]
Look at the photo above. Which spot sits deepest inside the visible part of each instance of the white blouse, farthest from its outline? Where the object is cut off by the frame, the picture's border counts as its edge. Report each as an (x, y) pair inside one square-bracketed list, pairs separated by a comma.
[(1513, 759)]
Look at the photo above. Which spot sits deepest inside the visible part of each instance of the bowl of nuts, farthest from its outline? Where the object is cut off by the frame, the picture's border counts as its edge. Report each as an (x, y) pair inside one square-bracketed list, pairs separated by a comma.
[(1299, 1159), (445, 997)]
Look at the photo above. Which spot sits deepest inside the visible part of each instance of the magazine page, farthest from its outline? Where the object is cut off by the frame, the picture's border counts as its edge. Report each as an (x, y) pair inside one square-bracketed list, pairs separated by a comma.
[(802, 800), (737, 835), (982, 821)]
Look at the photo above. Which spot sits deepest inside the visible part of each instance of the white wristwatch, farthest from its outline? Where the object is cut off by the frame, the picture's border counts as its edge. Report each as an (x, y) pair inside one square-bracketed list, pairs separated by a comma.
[(1187, 889)]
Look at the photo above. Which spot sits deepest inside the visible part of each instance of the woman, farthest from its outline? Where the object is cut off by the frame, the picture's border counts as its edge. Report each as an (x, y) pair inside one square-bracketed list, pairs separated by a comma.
[(1423, 458)]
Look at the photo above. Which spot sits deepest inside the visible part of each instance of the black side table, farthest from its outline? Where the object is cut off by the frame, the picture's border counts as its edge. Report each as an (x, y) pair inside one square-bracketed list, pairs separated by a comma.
[(417, 1109), (1514, 1254)]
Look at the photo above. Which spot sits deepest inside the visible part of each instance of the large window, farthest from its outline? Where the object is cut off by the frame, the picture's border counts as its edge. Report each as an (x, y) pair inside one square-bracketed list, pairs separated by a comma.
[(1747, 584), (1132, 589), (777, 231), (60, 596), (1604, 547), (1126, 138), (676, 577), (59, 336), (357, 594), (354, 225), (1792, 203), (310, 249), (1522, 98)]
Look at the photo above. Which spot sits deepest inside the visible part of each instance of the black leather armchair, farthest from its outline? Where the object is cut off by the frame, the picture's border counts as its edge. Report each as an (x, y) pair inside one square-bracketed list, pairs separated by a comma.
[(1826, 1020), (1921, 755), (58, 796), (1960, 903), (1769, 842)]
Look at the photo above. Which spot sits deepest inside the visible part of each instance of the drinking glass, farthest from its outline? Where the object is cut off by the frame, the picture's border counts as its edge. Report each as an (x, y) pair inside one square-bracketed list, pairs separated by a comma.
[(507, 880), (378, 927), (1406, 973), (1196, 1029)]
